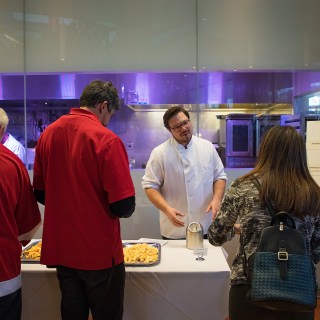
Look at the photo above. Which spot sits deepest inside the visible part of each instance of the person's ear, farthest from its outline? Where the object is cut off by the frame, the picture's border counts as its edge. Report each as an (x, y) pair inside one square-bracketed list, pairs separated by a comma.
[(105, 105), (101, 107), (108, 106)]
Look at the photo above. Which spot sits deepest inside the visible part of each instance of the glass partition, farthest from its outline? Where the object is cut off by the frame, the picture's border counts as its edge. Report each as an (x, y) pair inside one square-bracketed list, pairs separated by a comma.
[(145, 96)]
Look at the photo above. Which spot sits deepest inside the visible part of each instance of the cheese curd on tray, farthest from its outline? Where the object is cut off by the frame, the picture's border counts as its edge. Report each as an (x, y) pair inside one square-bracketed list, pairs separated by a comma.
[(141, 254), (32, 252)]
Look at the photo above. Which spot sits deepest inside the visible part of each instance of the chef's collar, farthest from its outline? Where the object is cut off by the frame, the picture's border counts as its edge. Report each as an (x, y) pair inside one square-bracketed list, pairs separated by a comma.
[(181, 146)]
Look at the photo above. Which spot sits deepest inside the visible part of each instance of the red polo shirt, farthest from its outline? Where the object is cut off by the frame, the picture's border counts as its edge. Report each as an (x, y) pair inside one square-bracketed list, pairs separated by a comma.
[(82, 166), (19, 213)]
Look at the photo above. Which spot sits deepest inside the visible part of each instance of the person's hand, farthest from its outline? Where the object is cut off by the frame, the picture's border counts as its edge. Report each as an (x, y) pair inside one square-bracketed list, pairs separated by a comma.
[(214, 207), (174, 216), (237, 228)]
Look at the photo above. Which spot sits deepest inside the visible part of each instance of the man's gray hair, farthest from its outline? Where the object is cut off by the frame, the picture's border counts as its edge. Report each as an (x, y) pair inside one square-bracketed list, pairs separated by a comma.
[(4, 119)]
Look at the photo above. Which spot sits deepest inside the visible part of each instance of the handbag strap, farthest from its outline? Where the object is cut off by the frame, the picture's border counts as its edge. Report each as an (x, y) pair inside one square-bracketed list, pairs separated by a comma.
[(283, 267), (271, 210), (272, 214)]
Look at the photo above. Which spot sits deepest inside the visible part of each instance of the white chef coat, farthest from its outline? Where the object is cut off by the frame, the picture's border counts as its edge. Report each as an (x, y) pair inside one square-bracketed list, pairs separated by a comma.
[(16, 147), (184, 176)]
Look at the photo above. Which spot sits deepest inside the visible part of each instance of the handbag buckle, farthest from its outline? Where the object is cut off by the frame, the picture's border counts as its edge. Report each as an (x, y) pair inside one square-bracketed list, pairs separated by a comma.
[(283, 255)]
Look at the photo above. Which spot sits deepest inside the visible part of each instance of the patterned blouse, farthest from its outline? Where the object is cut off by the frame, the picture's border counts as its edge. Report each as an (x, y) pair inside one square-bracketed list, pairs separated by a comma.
[(241, 204)]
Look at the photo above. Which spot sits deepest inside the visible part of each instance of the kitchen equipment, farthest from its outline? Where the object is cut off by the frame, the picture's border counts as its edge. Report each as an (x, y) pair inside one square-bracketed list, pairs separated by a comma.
[(240, 140), (132, 163), (194, 238), (292, 120), (300, 121), (264, 123)]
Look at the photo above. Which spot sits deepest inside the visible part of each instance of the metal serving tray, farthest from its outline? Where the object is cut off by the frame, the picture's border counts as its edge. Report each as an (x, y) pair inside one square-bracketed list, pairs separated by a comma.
[(125, 244), (23, 257), (141, 264)]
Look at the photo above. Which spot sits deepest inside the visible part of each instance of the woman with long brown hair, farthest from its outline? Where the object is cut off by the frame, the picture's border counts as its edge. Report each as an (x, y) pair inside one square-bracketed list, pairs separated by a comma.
[(285, 180)]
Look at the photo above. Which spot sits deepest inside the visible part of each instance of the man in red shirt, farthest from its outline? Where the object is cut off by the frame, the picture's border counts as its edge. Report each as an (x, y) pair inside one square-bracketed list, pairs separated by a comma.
[(81, 174), (20, 218)]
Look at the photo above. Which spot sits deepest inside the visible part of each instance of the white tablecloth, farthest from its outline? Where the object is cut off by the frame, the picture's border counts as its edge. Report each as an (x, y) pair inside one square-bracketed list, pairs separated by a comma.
[(178, 288)]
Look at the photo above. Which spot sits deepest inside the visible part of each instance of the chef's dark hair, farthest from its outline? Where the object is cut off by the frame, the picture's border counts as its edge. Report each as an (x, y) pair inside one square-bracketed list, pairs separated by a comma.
[(172, 112), (99, 91)]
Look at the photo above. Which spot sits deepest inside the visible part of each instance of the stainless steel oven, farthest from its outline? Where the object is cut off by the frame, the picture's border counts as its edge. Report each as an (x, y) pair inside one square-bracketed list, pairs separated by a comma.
[(240, 140), (264, 123)]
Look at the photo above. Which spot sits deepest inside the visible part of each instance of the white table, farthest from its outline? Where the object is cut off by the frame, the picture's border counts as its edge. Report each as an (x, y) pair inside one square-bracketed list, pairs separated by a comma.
[(178, 288)]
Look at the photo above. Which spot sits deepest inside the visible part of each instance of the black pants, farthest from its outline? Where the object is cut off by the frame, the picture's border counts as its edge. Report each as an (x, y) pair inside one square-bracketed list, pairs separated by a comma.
[(10, 306), (100, 291), (240, 309)]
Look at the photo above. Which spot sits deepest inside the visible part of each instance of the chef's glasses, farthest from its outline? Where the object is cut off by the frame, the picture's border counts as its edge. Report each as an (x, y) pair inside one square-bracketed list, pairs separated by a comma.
[(179, 126)]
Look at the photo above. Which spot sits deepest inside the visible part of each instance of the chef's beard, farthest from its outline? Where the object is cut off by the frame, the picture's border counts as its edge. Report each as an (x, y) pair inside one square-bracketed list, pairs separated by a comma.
[(184, 138)]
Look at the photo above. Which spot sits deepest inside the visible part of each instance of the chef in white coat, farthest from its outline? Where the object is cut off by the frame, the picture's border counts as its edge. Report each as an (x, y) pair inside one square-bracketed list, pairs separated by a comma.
[(184, 177)]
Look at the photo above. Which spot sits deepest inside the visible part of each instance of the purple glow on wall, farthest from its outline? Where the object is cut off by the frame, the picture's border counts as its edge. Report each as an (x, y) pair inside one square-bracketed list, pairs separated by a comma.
[(169, 88), (142, 88), (68, 90), (215, 85), (306, 81)]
